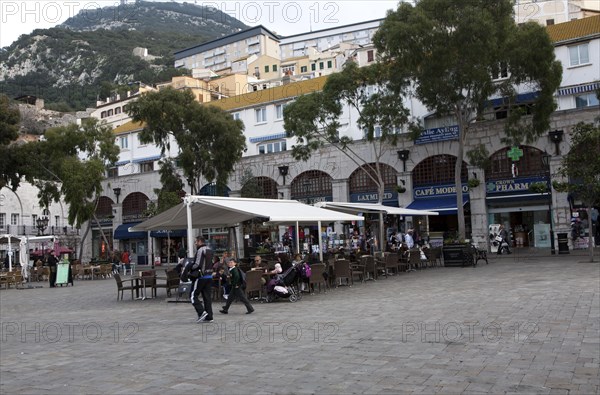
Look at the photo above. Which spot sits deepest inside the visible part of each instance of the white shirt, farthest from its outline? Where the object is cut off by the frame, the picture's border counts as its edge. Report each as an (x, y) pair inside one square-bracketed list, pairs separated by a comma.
[(410, 243)]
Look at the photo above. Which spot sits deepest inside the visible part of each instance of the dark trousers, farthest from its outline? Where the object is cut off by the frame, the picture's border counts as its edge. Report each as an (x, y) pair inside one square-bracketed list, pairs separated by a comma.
[(237, 293), (52, 276), (501, 247), (202, 286)]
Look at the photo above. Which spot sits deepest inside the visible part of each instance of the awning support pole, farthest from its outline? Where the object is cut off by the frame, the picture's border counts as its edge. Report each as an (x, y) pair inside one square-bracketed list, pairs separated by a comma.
[(297, 239), (190, 236), (320, 243)]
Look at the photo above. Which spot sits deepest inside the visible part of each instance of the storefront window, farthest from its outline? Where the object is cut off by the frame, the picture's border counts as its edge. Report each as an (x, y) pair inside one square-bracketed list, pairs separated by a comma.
[(437, 169), (312, 183), (529, 164), (361, 182)]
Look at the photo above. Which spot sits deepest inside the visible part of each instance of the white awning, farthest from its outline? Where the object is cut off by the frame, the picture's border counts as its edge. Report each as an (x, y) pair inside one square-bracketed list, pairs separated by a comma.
[(372, 208), (215, 211)]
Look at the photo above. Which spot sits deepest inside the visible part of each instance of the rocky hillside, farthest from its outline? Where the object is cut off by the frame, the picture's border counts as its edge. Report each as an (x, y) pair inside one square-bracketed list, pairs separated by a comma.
[(92, 54)]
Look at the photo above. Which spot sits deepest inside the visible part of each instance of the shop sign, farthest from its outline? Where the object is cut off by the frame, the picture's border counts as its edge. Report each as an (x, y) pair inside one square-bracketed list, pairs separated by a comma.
[(512, 185), (373, 197), (133, 218), (438, 134), (437, 191), (314, 199), (103, 222)]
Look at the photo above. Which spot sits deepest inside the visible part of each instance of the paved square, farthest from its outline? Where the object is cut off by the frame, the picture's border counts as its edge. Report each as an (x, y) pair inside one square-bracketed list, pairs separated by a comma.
[(517, 325)]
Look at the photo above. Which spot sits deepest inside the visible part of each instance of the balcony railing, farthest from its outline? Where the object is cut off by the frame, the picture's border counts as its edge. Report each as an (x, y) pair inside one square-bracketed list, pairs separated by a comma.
[(30, 230)]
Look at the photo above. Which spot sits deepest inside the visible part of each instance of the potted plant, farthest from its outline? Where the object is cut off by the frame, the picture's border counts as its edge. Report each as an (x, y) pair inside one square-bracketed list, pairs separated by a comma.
[(473, 183), (456, 251), (400, 189), (538, 187)]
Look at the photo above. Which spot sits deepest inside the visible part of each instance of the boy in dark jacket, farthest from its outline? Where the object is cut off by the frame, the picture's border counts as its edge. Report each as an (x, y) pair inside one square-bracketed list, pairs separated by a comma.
[(236, 292)]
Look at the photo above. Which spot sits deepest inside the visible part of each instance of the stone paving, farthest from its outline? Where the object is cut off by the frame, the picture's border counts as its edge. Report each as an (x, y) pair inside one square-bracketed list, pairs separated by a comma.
[(522, 324)]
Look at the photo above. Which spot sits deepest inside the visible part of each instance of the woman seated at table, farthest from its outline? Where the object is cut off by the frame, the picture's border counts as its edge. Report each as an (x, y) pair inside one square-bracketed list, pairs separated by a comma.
[(284, 262)]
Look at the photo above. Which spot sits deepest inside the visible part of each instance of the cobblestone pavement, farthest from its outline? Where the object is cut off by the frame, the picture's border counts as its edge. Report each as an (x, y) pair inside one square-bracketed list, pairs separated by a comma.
[(517, 325)]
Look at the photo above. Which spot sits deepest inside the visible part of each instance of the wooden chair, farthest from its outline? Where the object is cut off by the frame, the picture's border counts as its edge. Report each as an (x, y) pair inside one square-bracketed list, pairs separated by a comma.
[(317, 277), (121, 288), (149, 278), (358, 270), (171, 282), (371, 272), (380, 261), (342, 270), (391, 263), (414, 259), (254, 282)]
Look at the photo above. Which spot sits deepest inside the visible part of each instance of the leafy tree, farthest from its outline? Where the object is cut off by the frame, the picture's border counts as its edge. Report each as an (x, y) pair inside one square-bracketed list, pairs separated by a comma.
[(9, 121), (581, 166), (250, 187), (55, 166), (9, 131), (209, 140), (314, 119), (447, 52), (170, 193)]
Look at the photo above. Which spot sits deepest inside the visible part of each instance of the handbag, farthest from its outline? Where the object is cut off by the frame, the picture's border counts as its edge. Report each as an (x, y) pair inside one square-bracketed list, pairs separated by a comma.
[(498, 238)]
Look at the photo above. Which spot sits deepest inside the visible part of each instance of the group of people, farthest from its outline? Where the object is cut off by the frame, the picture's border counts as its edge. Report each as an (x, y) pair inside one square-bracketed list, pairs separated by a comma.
[(202, 271), (120, 259), (399, 241)]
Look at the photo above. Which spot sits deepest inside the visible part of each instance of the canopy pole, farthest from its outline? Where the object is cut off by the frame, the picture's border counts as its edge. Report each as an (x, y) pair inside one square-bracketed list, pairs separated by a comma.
[(190, 236), (9, 237), (297, 239), (320, 243), (168, 249)]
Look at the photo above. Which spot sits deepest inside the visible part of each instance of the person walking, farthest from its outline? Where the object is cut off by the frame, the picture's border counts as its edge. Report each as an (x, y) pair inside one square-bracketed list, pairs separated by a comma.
[(237, 291), (199, 271)]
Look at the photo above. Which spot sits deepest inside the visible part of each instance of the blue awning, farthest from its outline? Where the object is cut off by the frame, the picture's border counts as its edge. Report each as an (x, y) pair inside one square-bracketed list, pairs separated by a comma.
[(572, 90), (521, 98), (122, 162), (445, 205), (122, 232), (169, 233), (277, 136), (147, 159)]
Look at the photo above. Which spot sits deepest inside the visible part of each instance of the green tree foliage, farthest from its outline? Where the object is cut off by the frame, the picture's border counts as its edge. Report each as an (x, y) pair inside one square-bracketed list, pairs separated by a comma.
[(250, 187), (581, 168), (170, 193), (9, 121), (313, 119), (56, 168), (209, 140), (448, 51)]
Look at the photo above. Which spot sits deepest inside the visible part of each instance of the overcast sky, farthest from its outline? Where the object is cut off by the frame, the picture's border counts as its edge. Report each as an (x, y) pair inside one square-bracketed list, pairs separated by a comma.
[(284, 17)]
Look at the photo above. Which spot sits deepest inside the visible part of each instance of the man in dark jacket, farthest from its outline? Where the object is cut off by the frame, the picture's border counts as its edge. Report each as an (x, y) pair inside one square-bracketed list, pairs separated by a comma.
[(237, 292), (52, 265), (199, 271)]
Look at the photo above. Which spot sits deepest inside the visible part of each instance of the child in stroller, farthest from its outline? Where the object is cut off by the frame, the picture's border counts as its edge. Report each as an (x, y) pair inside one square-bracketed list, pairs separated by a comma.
[(284, 286)]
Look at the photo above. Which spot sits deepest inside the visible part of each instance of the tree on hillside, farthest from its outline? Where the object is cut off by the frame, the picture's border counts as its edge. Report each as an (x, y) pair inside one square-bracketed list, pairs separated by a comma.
[(209, 140), (448, 51), (9, 131), (314, 119), (581, 168)]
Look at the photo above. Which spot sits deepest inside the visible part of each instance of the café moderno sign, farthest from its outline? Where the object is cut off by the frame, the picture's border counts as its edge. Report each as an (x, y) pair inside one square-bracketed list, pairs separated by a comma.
[(436, 191), (512, 186)]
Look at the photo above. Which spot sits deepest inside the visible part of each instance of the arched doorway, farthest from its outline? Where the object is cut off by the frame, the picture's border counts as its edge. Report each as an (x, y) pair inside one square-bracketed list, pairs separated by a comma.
[(104, 215), (261, 188), (434, 189), (134, 207), (363, 189), (312, 186), (509, 200)]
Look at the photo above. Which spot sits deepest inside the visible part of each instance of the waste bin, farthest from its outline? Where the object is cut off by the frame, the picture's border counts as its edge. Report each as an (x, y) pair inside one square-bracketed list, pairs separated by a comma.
[(563, 243)]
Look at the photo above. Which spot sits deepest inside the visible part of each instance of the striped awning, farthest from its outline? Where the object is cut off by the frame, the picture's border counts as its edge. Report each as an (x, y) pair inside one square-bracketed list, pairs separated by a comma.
[(122, 162), (147, 159), (572, 90), (267, 138)]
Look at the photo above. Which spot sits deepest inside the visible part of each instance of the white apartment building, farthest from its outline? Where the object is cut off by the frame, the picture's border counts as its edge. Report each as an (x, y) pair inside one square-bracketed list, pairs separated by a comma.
[(550, 12)]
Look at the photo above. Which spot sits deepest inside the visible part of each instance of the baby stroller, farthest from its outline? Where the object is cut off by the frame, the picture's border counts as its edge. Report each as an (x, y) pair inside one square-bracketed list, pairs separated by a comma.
[(284, 286)]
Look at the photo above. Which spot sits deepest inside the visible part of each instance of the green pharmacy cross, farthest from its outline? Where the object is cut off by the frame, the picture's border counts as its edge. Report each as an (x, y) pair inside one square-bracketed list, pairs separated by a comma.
[(515, 154)]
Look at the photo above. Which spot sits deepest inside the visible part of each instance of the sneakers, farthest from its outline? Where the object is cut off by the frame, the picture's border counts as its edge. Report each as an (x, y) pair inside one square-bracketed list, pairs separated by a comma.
[(205, 319), (223, 311), (225, 296), (250, 312), (202, 317)]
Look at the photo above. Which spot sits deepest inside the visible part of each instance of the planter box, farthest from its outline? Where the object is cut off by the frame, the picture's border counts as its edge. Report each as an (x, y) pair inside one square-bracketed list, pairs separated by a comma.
[(458, 255)]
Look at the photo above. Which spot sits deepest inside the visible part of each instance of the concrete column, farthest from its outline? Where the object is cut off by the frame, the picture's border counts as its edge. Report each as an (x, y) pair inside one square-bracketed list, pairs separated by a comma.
[(340, 190), (284, 192), (479, 220)]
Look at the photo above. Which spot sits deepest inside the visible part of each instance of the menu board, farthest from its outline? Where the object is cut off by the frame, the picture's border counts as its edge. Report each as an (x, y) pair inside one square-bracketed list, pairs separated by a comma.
[(62, 273)]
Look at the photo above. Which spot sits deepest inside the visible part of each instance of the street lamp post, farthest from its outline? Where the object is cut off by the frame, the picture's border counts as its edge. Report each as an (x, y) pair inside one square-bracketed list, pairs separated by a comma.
[(546, 163), (41, 225)]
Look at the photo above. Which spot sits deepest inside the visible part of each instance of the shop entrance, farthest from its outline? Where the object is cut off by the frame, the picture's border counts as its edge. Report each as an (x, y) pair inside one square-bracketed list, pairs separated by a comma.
[(527, 226)]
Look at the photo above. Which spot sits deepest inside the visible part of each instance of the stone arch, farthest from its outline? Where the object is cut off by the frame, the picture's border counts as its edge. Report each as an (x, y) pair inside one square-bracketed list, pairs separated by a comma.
[(260, 187), (134, 206), (437, 169), (311, 185), (360, 182), (529, 163)]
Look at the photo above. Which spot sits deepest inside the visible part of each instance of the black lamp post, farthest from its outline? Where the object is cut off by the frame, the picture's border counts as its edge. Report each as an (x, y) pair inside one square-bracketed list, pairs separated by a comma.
[(556, 136), (283, 171), (403, 156), (41, 225), (546, 163), (117, 192)]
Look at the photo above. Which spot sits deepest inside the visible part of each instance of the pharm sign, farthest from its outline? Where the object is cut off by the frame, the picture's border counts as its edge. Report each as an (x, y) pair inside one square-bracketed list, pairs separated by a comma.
[(512, 186)]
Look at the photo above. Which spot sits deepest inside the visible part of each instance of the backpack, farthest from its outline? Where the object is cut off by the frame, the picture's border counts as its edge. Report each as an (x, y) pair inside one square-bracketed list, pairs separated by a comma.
[(305, 270), (243, 275)]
